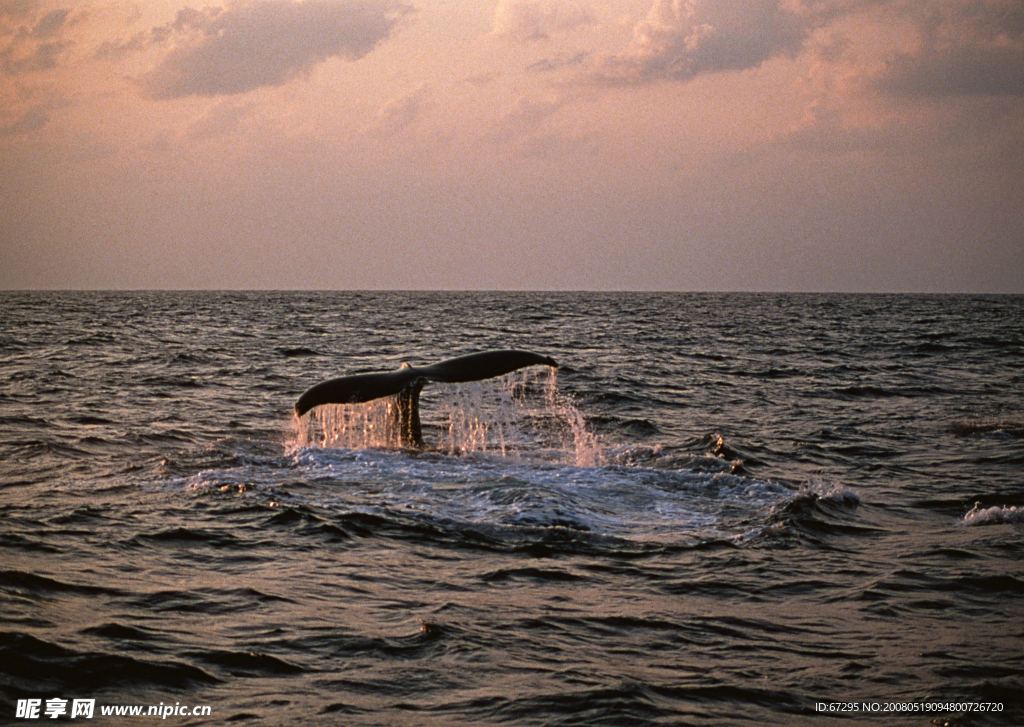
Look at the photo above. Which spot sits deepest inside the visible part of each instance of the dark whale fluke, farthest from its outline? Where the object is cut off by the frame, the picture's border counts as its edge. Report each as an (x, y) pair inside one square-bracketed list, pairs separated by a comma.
[(407, 382)]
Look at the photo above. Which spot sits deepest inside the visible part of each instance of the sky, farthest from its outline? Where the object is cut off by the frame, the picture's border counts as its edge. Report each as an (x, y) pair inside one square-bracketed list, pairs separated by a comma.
[(719, 145)]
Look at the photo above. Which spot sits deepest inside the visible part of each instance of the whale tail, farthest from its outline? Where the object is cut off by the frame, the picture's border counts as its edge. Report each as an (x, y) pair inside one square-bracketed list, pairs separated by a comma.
[(407, 382)]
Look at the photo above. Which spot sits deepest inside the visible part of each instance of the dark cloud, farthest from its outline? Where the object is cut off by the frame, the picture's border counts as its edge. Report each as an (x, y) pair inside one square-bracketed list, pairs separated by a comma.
[(973, 49), (229, 51), (968, 71), (400, 113), (547, 65), (32, 46), (50, 24), (31, 120), (13, 13), (17, 61)]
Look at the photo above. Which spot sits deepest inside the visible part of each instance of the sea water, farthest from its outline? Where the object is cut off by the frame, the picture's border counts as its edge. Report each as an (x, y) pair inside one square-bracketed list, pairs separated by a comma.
[(727, 509)]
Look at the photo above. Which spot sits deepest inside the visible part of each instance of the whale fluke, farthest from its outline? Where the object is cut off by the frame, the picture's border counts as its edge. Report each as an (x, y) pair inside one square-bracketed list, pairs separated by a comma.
[(407, 382)]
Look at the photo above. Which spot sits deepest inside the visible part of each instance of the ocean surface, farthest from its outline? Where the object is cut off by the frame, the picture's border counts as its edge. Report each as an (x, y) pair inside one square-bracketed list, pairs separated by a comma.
[(721, 509)]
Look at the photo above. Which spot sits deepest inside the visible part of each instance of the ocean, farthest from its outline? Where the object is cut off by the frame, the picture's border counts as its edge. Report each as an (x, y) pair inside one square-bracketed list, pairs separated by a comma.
[(721, 509)]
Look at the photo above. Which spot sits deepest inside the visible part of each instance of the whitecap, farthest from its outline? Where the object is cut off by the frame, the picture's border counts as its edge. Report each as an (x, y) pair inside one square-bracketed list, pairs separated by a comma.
[(994, 515), (833, 492)]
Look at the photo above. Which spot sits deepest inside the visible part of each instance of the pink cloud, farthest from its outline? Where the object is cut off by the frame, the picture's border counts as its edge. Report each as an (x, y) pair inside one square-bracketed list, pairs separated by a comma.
[(682, 39), (540, 19), (231, 51)]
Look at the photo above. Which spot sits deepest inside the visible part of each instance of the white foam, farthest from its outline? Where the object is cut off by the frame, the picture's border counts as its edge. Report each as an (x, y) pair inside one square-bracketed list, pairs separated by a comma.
[(489, 490), (993, 515), (833, 492)]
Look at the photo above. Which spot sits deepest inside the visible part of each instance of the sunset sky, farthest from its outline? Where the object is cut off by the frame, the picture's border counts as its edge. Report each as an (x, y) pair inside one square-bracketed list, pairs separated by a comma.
[(775, 145)]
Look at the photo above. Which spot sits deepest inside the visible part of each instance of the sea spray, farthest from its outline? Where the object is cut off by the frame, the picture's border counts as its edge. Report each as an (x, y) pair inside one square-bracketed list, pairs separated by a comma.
[(586, 450)]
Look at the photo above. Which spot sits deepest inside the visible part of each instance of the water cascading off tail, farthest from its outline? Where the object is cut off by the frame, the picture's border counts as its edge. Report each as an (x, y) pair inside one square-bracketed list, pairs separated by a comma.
[(521, 414)]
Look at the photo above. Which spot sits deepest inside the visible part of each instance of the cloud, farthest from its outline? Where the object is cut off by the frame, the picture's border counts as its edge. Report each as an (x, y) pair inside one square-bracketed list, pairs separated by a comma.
[(968, 71), (528, 119), (682, 39), (33, 42), (539, 19), (547, 65), (31, 48), (399, 113), (481, 79), (229, 51), (13, 13), (528, 111), (949, 76), (50, 23), (219, 121), (41, 57), (31, 120), (971, 49)]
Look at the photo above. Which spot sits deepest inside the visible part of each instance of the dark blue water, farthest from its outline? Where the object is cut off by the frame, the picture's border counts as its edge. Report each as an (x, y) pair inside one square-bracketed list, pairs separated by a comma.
[(722, 510)]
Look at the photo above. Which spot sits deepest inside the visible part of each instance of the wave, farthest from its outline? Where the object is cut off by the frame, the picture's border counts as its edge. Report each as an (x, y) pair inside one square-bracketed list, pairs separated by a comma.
[(39, 666), (1007, 427), (820, 509), (868, 391)]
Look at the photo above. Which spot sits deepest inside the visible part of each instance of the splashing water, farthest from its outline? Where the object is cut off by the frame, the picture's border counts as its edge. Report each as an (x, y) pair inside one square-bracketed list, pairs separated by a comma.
[(518, 414)]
